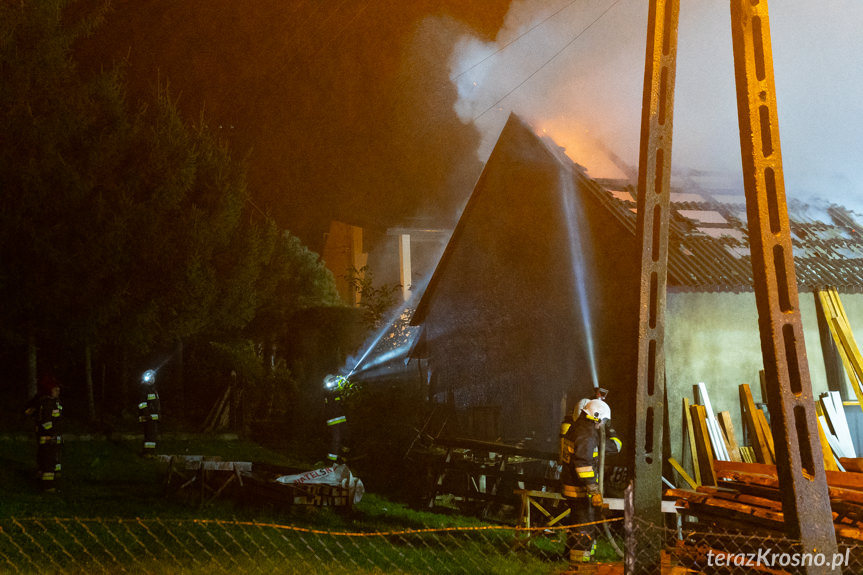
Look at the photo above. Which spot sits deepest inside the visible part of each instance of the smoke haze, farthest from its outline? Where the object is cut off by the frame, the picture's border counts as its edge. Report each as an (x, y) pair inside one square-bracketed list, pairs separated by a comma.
[(588, 96)]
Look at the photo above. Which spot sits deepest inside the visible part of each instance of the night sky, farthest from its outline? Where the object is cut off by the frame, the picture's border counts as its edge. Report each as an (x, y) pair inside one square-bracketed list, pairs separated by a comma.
[(344, 108), (378, 112)]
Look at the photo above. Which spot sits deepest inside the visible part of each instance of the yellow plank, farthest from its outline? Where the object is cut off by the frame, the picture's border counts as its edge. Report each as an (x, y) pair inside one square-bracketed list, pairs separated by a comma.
[(840, 329), (834, 294), (690, 434), (853, 353), (767, 433), (753, 425), (829, 458), (727, 427), (702, 438), (830, 312), (679, 468)]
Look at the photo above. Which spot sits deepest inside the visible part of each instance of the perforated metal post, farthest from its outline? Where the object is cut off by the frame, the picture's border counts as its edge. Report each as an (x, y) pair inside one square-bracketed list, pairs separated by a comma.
[(799, 463), (644, 498)]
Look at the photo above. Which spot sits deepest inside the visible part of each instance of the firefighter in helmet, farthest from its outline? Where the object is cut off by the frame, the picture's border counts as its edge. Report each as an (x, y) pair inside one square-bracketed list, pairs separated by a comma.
[(149, 411), (46, 409), (579, 481), (336, 388)]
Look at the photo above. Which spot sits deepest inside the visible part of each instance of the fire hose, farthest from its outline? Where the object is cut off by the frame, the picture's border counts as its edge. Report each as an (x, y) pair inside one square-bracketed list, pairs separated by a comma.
[(605, 528)]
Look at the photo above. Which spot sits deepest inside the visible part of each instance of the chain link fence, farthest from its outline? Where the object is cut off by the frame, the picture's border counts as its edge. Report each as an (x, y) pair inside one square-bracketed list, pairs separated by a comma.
[(709, 549), (216, 546), (187, 546)]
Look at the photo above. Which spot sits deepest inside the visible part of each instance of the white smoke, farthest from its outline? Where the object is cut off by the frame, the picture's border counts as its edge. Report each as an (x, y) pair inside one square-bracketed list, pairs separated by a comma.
[(589, 96)]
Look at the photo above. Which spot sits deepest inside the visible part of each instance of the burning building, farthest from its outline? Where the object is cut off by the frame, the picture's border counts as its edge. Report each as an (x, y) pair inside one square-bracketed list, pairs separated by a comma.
[(535, 298)]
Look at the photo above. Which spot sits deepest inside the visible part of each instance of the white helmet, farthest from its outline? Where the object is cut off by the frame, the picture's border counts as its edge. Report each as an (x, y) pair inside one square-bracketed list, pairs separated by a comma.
[(597, 410)]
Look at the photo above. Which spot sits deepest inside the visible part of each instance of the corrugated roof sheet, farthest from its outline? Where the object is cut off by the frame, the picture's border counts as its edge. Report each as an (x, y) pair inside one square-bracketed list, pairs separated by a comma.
[(709, 241)]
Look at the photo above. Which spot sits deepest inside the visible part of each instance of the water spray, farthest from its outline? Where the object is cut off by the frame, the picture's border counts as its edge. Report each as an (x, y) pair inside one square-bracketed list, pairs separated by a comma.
[(578, 256), (366, 361)]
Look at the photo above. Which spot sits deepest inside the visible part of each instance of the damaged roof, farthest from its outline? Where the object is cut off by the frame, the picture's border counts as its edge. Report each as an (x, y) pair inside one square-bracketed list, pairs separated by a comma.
[(709, 240), (708, 236)]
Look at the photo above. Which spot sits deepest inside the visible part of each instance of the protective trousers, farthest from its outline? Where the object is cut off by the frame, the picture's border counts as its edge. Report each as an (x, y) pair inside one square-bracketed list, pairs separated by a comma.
[(151, 435), (581, 540), (48, 460)]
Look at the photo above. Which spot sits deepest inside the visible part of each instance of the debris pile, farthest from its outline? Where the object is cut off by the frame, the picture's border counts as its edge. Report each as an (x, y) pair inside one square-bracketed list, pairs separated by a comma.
[(747, 497)]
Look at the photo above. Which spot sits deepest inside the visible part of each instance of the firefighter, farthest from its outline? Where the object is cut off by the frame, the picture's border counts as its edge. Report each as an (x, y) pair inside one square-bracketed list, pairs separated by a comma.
[(579, 479), (598, 393), (336, 388), (45, 407), (149, 411)]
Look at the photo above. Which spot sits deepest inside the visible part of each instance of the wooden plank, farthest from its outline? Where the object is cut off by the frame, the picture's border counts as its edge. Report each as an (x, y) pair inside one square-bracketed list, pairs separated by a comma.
[(727, 427), (690, 435), (734, 511), (702, 440), (827, 447), (750, 489), (854, 464), (846, 337), (750, 421), (682, 472), (830, 313), (766, 433), (756, 468), (841, 479), (687, 494), (762, 379), (839, 486), (749, 499), (845, 480), (850, 533)]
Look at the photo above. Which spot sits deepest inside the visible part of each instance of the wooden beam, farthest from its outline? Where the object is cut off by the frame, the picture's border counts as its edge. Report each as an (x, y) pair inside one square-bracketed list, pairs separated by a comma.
[(702, 440), (830, 463), (727, 427), (690, 436), (682, 472), (766, 433), (854, 464), (751, 422)]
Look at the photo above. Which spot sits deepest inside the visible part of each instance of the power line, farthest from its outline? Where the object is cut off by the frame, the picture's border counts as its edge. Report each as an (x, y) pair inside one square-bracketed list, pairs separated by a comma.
[(514, 40), (556, 54)]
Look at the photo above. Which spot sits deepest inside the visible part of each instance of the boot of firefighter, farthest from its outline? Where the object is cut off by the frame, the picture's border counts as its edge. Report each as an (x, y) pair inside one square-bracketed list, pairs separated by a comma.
[(583, 555)]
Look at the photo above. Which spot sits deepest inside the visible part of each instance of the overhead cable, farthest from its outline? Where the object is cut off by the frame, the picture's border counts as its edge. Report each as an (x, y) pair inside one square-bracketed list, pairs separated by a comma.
[(547, 62)]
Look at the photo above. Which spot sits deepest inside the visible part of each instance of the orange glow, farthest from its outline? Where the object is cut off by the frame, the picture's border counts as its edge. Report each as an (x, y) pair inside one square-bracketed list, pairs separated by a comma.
[(582, 148)]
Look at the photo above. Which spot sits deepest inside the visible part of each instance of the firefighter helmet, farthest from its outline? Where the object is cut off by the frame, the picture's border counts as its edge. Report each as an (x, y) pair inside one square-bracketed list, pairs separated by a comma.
[(597, 410), (47, 383), (332, 382)]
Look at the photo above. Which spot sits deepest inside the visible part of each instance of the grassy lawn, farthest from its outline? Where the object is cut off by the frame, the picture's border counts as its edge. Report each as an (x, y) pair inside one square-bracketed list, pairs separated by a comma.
[(112, 511)]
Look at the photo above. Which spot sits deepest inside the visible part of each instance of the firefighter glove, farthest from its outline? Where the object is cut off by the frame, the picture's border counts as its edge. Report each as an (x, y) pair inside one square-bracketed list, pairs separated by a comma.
[(596, 500)]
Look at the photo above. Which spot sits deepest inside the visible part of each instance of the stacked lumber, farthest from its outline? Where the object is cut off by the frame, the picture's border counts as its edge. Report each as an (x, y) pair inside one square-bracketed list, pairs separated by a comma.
[(747, 497), (840, 329), (710, 437)]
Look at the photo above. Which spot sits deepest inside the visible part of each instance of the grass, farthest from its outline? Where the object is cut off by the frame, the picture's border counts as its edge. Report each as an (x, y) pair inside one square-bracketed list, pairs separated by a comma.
[(112, 511)]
